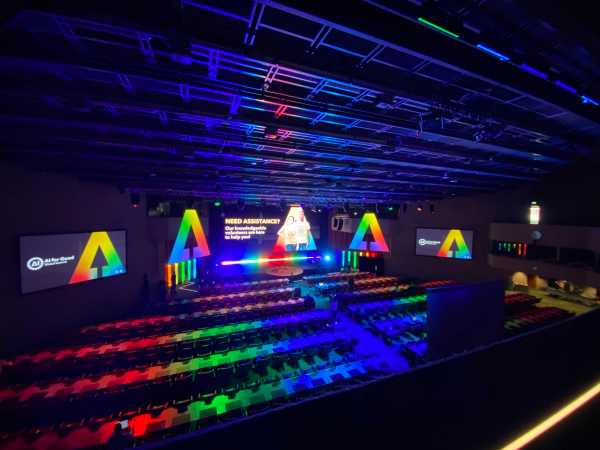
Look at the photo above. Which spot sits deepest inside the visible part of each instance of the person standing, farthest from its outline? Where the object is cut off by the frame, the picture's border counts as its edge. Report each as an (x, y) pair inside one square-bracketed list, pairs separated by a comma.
[(173, 283)]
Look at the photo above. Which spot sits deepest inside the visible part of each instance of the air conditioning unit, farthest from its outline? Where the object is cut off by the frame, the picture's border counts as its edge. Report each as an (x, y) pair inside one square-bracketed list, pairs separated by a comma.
[(343, 223)]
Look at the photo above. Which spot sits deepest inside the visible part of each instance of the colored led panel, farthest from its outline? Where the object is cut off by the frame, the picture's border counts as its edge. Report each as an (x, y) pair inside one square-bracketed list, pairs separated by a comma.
[(534, 71), (493, 52), (99, 240), (454, 237), (189, 222), (369, 221), (438, 28)]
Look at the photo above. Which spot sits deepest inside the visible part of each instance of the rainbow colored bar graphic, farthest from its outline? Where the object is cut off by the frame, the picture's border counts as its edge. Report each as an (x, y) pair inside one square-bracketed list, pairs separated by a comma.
[(369, 221), (99, 240), (189, 221), (462, 251), (266, 260)]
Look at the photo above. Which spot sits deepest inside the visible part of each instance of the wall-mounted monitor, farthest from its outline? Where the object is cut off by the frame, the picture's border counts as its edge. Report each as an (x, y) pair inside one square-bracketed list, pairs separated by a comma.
[(49, 261), (444, 243)]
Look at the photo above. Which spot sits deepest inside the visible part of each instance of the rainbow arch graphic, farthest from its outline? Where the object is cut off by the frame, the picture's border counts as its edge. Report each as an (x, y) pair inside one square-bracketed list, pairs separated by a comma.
[(462, 250), (99, 240), (369, 221), (189, 222)]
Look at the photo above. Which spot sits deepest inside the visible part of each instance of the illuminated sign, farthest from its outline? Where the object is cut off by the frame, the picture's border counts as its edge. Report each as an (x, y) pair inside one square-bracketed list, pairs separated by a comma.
[(49, 261), (243, 229), (534, 213), (444, 243), (369, 222), (189, 222)]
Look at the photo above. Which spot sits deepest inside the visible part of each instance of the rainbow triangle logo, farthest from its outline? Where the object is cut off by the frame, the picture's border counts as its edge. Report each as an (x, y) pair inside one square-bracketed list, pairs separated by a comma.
[(189, 222), (99, 240), (462, 250), (369, 221), (294, 235)]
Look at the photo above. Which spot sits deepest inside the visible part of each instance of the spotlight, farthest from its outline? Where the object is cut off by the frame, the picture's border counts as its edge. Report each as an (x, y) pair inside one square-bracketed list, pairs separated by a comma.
[(217, 203), (327, 257), (135, 199), (419, 208), (390, 208)]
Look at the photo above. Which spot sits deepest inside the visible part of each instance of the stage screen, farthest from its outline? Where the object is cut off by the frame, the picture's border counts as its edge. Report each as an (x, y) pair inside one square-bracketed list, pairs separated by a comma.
[(445, 243), (48, 261), (270, 231)]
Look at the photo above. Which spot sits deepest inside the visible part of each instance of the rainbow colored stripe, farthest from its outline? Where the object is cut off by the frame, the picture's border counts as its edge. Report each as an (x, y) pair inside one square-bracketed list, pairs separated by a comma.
[(266, 260), (99, 240), (462, 251), (369, 221), (189, 221)]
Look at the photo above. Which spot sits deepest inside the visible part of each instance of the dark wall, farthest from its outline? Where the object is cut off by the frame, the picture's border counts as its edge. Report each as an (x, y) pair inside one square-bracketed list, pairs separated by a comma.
[(567, 198), (37, 202), (473, 213)]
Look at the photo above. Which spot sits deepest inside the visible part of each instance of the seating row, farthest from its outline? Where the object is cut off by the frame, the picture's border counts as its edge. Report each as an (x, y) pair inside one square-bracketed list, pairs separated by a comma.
[(138, 351), (363, 311), (518, 301), (163, 324), (534, 317), (436, 283), (172, 420), (223, 288), (119, 379), (226, 300), (178, 390), (369, 295), (336, 276), (363, 283)]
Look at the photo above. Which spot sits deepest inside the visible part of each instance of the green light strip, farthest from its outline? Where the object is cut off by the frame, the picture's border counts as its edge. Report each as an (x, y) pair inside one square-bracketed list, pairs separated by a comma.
[(438, 28)]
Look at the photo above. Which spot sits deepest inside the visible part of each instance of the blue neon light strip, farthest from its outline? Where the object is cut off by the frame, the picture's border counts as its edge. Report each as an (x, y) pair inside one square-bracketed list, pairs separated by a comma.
[(566, 87), (533, 71), (492, 52), (585, 99), (264, 260)]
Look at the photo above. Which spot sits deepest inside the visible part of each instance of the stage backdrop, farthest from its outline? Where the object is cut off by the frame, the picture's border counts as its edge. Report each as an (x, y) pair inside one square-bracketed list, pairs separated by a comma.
[(245, 232)]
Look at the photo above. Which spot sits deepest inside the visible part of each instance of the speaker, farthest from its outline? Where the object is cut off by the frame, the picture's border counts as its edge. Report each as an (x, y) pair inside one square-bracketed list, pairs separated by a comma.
[(341, 222)]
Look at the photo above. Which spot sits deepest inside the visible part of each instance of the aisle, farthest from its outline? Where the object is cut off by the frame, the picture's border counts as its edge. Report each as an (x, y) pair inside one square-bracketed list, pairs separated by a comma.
[(367, 343)]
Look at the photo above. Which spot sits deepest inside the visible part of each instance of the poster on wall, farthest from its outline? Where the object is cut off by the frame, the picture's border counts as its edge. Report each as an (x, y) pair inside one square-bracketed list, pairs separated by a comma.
[(445, 243), (48, 261)]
